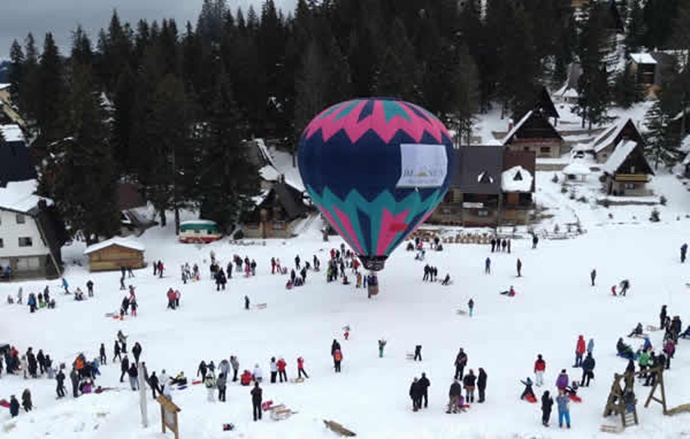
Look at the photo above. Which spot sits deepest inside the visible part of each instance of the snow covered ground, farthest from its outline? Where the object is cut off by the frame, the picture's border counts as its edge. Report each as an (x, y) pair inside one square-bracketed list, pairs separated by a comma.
[(553, 305)]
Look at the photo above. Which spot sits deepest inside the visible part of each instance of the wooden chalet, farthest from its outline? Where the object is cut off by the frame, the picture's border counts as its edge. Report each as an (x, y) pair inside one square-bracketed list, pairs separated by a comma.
[(132, 205), (534, 133), (518, 182), (277, 211), (627, 172), (643, 68), (473, 196), (115, 253), (492, 185), (601, 148)]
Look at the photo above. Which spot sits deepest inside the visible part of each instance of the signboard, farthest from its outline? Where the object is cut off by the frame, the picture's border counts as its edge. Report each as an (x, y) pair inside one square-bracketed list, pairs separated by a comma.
[(469, 205), (169, 413), (422, 166)]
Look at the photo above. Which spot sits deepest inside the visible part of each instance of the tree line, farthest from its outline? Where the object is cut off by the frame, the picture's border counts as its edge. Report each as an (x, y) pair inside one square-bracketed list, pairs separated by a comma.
[(169, 107)]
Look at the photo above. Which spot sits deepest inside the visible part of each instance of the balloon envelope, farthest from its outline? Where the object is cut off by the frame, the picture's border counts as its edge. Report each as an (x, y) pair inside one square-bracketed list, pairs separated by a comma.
[(376, 169)]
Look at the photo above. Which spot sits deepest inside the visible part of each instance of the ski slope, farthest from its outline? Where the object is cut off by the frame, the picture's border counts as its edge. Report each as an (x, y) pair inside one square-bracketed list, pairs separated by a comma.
[(554, 304)]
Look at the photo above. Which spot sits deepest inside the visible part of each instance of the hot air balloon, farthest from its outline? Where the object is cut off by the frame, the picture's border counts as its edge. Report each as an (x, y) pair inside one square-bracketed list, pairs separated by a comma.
[(375, 168)]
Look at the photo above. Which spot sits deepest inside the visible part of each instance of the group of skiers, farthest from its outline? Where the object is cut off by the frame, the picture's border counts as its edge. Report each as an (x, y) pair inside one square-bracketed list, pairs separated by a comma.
[(500, 244)]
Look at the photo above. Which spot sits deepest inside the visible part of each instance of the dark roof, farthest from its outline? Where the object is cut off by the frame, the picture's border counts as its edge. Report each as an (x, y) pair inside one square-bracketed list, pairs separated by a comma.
[(533, 125), (544, 103), (478, 169), (129, 196), (15, 163), (290, 199), (526, 159)]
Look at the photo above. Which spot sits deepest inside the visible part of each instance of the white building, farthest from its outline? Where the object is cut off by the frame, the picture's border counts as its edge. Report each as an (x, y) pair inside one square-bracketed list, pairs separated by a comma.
[(29, 245)]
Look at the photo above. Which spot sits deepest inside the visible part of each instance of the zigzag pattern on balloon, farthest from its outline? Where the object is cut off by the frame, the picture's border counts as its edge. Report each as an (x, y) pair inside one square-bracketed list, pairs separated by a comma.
[(384, 117), (389, 220)]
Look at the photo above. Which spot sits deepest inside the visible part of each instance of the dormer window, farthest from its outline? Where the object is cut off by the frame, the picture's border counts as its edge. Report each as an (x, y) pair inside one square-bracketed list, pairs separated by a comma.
[(518, 176)]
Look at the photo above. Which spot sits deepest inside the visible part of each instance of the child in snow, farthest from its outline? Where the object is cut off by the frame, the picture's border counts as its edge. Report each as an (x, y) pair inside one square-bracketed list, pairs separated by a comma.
[(528, 393)]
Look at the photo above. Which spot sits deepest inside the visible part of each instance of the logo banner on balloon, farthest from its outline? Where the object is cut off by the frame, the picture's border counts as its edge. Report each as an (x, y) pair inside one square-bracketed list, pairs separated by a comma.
[(422, 165)]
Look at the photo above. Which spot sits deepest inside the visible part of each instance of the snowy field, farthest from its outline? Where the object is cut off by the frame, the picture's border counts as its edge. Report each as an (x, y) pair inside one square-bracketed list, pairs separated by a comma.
[(553, 305)]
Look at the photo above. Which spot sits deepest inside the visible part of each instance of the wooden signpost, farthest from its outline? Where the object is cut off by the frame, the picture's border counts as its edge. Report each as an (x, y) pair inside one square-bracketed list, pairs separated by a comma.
[(169, 413)]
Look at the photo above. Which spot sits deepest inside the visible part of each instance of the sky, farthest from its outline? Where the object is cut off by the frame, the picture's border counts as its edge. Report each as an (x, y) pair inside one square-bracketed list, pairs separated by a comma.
[(61, 17)]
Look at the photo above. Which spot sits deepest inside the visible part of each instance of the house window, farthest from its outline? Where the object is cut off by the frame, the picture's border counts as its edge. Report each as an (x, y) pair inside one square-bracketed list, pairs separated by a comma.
[(197, 232), (28, 264), (518, 176), (629, 186), (632, 169), (20, 219), (482, 213), (25, 242), (545, 150)]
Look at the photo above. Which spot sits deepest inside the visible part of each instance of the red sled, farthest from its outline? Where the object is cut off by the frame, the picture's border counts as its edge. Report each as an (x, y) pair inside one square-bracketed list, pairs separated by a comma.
[(196, 382), (4, 403), (530, 398), (574, 398), (266, 406)]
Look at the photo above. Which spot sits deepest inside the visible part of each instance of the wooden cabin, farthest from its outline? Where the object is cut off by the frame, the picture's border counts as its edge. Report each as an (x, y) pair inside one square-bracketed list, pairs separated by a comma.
[(627, 172), (115, 253), (534, 133)]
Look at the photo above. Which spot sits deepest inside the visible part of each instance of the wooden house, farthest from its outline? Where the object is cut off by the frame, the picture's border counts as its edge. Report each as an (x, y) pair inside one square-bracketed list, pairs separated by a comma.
[(277, 211), (601, 148), (132, 205), (567, 94), (115, 253), (473, 196), (31, 235), (518, 183), (643, 68), (492, 185), (627, 172), (534, 133)]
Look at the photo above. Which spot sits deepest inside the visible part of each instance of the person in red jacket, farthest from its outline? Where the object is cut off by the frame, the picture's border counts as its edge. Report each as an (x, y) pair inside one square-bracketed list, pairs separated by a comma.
[(580, 349), (246, 378), (171, 298), (300, 368), (281, 370), (539, 368)]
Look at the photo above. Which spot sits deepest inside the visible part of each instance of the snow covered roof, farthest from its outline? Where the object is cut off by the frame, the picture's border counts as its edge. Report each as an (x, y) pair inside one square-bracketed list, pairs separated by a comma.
[(566, 92), (269, 173), (263, 150), (576, 168), (516, 179), (643, 58), (517, 126), (622, 151), (685, 144), (122, 242), (12, 133), (261, 197), (686, 161), (606, 137), (4, 85), (20, 197)]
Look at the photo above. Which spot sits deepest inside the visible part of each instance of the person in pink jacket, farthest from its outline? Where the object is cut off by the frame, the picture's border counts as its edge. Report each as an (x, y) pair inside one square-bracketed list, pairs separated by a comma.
[(300, 368)]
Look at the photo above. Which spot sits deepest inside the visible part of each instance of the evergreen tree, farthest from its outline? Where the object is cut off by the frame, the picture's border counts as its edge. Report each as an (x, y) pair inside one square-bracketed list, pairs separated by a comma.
[(80, 165), (593, 84), (227, 180), (397, 72), (635, 28), (210, 22), (465, 90), (50, 95), (16, 73), (81, 47), (658, 19), (661, 143), (625, 92)]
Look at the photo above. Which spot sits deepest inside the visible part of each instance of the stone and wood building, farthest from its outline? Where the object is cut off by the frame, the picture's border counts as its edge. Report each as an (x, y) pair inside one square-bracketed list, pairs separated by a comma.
[(534, 133)]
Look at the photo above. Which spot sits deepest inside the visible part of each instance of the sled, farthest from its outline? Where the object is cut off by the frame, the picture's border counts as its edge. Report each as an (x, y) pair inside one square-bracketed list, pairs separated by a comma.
[(611, 428), (574, 398), (643, 335), (195, 382), (530, 398), (266, 406), (280, 412), (297, 380), (652, 328), (338, 428), (409, 355), (4, 403), (261, 305), (228, 427), (461, 312)]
